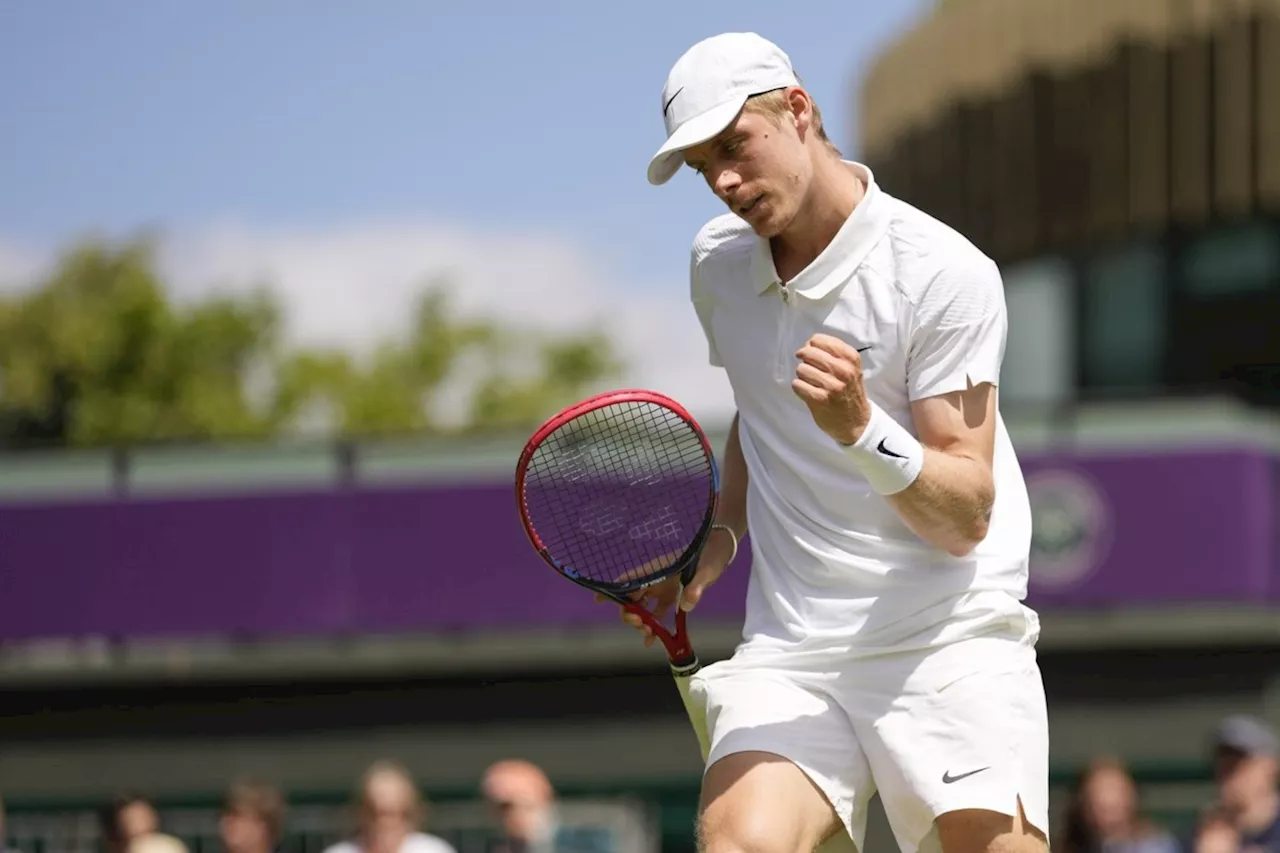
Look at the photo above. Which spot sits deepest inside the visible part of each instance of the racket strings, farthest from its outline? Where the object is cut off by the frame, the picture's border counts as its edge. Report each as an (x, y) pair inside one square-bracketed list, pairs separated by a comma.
[(618, 494)]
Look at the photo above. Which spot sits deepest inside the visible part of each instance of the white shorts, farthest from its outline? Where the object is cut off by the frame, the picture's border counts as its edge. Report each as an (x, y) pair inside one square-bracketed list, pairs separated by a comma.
[(963, 726)]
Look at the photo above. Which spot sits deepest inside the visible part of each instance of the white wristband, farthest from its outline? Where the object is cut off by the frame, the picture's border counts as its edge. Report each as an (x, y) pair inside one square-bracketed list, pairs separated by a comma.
[(888, 456)]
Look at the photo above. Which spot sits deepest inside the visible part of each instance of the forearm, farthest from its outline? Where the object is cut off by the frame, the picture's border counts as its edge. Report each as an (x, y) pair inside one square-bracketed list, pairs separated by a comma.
[(944, 494), (949, 503), (732, 508)]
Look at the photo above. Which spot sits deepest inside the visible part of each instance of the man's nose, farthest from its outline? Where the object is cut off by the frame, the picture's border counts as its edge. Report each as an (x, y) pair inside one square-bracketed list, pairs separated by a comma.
[(726, 181)]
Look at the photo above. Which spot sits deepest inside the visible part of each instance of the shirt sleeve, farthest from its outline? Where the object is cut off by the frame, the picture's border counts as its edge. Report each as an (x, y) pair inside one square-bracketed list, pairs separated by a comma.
[(703, 304), (958, 332)]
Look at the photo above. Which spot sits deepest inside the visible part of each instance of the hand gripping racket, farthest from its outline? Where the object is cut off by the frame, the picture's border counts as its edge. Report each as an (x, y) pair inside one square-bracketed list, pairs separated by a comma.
[(617, 493)]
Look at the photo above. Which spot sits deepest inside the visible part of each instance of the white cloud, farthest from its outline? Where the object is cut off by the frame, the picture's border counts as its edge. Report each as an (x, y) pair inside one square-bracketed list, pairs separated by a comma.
[(20, 264), (349, 286)]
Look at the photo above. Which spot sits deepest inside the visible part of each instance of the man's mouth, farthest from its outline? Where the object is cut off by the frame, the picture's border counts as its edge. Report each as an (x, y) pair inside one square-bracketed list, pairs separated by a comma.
[(746, 208)]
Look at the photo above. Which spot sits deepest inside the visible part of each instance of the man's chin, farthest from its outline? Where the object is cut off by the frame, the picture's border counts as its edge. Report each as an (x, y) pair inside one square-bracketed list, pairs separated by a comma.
[(765, 229), (769, 225)]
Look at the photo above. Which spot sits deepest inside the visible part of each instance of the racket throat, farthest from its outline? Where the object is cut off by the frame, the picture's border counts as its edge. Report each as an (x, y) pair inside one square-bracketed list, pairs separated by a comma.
[(679, 649)]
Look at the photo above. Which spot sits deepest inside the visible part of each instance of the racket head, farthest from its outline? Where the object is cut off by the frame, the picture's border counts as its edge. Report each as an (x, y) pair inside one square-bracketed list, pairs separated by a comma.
[(619, 491)]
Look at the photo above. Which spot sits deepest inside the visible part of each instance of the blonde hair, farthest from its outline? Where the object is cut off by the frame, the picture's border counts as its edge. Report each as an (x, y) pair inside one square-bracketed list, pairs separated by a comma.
[(773, 105)]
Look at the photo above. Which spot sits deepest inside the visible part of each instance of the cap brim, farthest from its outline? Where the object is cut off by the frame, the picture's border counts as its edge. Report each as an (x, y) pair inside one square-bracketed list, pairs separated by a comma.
[(693, 132)]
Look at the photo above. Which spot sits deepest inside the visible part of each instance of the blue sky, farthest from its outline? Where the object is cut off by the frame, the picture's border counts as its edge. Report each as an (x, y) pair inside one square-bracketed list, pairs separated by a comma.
[(290, 116)]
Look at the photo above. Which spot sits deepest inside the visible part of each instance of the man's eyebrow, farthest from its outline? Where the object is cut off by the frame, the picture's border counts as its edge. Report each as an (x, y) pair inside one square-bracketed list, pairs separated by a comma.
[(730, 139)]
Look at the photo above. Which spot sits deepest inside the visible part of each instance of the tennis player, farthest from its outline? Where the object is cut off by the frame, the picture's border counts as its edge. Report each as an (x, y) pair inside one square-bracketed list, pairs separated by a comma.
[(886, 646)]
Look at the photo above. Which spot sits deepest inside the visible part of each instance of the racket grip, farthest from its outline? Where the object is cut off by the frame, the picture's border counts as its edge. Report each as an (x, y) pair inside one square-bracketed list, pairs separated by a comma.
[(695, 713), (686, 666), (680, 650)]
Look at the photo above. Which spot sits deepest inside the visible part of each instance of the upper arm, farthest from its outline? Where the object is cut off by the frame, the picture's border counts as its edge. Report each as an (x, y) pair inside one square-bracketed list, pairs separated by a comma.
[(703, 305), (959, 423), (955, 350)]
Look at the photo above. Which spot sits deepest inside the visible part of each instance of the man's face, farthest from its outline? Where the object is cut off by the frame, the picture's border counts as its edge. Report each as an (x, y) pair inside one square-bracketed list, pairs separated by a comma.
[(1243, 779), (759, 167)]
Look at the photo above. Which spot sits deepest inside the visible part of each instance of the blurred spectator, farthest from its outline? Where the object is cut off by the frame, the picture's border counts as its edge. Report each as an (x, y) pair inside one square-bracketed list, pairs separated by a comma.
[(390, 813), (523, 802), (1215, 833), (1245, 766), (1103, 815), (156, 842), (524, 805), (128, 816), (252, 818), (4, 838)]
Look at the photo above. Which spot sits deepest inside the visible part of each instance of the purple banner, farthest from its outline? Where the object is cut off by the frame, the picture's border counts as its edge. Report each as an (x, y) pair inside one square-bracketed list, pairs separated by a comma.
[(1110, 530), (1125, 529)]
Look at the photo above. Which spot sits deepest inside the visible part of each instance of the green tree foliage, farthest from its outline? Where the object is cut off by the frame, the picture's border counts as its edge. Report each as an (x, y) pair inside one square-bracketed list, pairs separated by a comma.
[(98, 353), (565, 367)]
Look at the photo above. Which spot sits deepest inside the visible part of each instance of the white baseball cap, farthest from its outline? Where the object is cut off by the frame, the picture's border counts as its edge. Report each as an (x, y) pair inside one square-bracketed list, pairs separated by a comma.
[(707, 87)]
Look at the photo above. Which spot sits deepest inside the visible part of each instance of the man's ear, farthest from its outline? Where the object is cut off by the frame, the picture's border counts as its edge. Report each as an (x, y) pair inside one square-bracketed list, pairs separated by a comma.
[(801, 108)]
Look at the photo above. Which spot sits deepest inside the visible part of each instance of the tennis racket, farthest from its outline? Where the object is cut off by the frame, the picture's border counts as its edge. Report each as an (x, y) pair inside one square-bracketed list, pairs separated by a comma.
[(617, 493)]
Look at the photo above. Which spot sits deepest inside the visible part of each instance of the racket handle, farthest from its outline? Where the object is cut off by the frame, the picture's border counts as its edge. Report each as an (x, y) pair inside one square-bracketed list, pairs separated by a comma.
[(696, 717), (686, 667), (680, 650)]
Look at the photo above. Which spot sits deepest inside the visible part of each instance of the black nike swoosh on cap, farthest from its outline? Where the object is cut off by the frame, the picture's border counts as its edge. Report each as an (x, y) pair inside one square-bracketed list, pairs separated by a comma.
[(667, 106)]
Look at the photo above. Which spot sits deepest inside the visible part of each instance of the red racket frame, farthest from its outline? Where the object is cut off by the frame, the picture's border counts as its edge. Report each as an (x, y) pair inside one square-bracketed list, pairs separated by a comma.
[(679, 649)]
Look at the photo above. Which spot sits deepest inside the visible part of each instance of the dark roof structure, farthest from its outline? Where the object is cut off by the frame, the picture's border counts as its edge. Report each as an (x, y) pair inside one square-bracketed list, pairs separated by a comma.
[(1038, 126)]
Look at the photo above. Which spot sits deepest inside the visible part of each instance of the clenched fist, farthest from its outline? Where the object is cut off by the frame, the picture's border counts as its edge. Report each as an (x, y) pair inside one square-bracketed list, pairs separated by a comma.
[(829, 381)]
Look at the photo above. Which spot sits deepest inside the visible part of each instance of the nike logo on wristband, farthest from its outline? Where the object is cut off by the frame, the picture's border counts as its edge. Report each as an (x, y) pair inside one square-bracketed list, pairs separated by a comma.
[(887, 452)]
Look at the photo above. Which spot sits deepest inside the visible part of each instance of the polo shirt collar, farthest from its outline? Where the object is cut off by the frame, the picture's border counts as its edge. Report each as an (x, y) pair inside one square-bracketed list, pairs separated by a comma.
[(846, 251)]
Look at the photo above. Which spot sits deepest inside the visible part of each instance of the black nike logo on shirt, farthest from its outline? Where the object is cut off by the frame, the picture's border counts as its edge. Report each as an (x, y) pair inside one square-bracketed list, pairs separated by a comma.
[(886, 451), (947, 778)]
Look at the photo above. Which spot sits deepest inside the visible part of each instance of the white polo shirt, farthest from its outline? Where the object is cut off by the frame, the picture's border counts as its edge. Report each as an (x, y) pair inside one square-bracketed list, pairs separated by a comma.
[(832, 561)]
